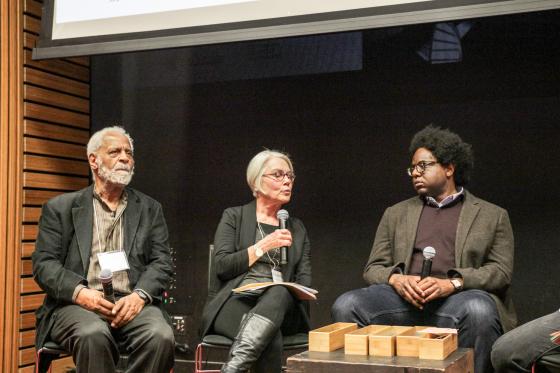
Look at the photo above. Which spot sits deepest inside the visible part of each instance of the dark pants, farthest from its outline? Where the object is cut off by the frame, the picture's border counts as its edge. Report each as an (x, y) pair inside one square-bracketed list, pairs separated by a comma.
[(518, 349), (274, 304), (473, 312), (148, 339)]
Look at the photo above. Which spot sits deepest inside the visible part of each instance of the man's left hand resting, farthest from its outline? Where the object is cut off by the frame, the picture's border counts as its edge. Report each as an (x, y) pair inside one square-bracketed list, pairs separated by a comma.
[(126, 309), (435, 288)]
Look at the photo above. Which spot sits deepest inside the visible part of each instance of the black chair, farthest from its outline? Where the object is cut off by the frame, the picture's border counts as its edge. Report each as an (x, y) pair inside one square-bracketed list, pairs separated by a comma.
[(291, 342), (46, 354)]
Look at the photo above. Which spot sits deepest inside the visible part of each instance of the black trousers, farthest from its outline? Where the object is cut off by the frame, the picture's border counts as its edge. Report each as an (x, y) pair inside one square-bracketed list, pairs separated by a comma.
[(276, 304), (94, 345)]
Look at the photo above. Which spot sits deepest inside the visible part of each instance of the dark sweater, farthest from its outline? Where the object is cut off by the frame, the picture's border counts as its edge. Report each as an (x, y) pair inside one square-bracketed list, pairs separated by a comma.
[(437, 228)]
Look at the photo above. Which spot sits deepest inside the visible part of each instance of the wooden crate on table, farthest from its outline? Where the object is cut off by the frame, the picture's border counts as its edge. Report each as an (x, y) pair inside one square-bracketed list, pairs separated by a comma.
[(383, 343), (330, 337), (357, 342)]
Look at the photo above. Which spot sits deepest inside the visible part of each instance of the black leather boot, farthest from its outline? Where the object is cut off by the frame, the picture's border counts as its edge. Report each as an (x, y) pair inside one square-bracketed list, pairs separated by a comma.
[(255, 332)]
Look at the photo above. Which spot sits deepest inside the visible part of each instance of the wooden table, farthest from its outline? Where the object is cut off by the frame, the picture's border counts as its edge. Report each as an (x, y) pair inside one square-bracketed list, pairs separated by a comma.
[(460, 361)]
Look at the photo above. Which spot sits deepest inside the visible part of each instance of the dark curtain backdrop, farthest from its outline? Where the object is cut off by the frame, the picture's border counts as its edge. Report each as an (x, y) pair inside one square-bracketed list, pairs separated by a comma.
[(348, 134)]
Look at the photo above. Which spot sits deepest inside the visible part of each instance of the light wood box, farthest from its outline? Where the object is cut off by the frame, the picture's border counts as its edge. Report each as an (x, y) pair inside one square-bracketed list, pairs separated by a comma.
[(383, 343), (330, 337), (407, 345), (437, 346), (357, 342)]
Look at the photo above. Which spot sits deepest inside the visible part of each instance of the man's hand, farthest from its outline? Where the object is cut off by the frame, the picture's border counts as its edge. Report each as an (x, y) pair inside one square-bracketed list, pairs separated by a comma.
[(126, 309), (92, 300), (407, 287), (435, 288)]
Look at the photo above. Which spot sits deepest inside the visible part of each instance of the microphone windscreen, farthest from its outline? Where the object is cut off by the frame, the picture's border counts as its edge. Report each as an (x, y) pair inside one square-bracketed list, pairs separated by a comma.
[(429, 252), (105, 275), (282, 215)]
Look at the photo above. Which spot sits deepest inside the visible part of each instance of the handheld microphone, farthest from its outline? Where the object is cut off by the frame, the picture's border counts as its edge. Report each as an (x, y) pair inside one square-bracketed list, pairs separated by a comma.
[(428, 253), (282, 216), (106, 279)]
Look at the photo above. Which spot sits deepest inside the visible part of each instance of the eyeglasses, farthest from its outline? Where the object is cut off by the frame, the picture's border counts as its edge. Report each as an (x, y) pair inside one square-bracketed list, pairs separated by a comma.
[(279, 175), (420, 167)]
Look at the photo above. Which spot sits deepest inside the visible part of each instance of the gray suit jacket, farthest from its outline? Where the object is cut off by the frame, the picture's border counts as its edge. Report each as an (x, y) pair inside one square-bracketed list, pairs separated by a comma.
[(63, 249), (483, 249), (236, 232)]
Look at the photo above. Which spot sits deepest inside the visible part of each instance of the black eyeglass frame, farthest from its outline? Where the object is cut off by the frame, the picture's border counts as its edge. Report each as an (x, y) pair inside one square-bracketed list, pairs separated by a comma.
[(280, 175), (420, 167)]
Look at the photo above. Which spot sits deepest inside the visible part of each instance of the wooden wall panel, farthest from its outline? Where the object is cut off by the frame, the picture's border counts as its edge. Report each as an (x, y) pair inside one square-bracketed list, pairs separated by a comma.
[(60, 67), (55, 132), (60, 100), (27, 320), (47, 164), (28, 285), (38, 197), (53, 125), (57, 82), (55, 115), (11, 100)]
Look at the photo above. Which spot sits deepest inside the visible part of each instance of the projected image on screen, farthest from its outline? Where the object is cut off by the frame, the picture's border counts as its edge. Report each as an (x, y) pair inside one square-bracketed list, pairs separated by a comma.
[(86, 18), (87, 10)]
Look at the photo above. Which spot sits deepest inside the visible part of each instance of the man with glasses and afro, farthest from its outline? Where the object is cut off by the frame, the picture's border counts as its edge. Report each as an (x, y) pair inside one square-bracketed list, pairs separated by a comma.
[(469, 284)]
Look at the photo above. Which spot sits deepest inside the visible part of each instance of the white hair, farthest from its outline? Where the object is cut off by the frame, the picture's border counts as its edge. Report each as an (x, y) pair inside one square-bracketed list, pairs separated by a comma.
[(96, 140), (257, 167)]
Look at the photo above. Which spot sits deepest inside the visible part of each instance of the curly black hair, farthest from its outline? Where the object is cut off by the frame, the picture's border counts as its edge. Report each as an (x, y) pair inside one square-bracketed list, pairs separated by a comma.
[(448, 148)]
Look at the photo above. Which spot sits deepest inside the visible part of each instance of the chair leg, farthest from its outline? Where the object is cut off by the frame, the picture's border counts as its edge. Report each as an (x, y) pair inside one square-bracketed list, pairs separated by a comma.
[(198, 357), (42, 365)]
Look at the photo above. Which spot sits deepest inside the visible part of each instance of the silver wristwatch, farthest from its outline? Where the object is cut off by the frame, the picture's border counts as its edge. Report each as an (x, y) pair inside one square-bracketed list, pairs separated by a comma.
[(258, 251), (457, 284)]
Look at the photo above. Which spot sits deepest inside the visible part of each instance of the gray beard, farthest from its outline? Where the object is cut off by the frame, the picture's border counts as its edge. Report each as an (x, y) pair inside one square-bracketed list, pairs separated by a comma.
[(115, 177)]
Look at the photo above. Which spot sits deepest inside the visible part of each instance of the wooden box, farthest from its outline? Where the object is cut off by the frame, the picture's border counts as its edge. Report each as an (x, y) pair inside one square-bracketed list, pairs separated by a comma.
[(330, 337), (437, 346), (357, 342), (407, 345), (383, 343)]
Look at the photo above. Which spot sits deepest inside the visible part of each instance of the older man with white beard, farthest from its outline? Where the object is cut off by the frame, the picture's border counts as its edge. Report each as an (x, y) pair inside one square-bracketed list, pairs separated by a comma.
[(111, 227)]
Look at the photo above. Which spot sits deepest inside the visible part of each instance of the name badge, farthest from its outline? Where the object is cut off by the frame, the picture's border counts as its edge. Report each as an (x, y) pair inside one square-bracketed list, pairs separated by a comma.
[(113, 260), (277, 276)]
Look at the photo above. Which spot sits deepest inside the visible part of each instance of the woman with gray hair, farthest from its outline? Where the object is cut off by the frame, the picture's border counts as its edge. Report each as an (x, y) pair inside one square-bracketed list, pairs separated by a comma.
[(247, 250)]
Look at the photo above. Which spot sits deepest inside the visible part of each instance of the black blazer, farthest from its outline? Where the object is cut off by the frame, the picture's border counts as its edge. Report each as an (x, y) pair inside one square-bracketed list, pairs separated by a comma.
[(63, 249), (235, 233)]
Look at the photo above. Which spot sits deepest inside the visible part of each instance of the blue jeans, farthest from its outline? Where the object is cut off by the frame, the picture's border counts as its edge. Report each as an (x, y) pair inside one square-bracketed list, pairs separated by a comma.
[(518, 349), (473, 312)]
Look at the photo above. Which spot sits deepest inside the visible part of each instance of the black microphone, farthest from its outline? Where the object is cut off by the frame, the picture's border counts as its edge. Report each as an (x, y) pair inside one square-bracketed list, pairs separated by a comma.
[(282, 216), (428, 253), (106, 279)]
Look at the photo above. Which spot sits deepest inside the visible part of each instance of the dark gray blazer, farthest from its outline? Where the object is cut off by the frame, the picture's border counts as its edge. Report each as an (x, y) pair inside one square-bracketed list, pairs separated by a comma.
[(236, 232), (483, 249), (63, 249)]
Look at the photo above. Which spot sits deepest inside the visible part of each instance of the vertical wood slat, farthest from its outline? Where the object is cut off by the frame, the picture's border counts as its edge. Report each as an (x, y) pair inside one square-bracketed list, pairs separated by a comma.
[(11, 99)]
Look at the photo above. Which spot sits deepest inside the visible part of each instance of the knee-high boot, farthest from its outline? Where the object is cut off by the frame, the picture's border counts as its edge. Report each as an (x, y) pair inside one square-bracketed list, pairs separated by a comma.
[(255, 332)]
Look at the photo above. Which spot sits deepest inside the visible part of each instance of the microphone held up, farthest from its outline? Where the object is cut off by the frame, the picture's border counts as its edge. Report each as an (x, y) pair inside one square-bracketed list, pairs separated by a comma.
[(283, 216), (428, 253)]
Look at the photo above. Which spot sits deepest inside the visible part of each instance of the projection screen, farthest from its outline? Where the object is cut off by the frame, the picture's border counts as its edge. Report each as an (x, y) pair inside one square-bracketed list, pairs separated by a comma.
[(86, 27)]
